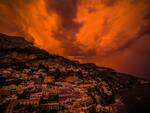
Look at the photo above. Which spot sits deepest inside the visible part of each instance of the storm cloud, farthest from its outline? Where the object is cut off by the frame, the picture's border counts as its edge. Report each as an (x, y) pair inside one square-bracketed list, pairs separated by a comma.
[(91, 29)]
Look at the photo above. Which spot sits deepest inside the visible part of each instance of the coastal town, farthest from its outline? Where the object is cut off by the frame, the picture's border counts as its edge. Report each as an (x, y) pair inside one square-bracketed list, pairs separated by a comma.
[(37, 91), (34, 81)]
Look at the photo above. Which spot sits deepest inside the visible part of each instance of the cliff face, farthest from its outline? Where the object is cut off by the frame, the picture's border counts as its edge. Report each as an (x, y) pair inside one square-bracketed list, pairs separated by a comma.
[(58, 84)]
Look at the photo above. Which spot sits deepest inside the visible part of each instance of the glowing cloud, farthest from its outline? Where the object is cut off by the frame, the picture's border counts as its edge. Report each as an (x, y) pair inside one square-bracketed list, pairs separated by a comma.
[(90, 30)]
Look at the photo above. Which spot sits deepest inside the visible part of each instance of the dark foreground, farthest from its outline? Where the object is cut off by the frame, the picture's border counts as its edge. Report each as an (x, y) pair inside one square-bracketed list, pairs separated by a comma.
[(138, 99), (34, 81)]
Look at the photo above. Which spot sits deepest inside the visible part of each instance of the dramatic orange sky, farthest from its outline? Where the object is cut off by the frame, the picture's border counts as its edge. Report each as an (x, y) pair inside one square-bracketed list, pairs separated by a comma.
[(112, 33)]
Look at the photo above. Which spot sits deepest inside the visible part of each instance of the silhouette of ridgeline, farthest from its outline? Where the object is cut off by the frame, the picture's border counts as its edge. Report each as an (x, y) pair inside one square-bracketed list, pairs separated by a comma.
[(20, 56)]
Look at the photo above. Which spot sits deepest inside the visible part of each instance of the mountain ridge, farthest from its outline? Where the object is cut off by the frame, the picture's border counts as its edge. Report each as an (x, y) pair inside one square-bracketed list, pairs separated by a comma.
[(23, 64)]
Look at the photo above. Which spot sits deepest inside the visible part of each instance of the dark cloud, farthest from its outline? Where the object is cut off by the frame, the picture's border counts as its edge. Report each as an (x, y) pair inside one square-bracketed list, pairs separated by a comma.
[(76, 50), (109, 2), (91, 9), (66, 10), (68, 27)]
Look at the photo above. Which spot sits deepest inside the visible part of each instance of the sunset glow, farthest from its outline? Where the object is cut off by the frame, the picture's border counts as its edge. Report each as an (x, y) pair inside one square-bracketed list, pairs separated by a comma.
[(113, 33)]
